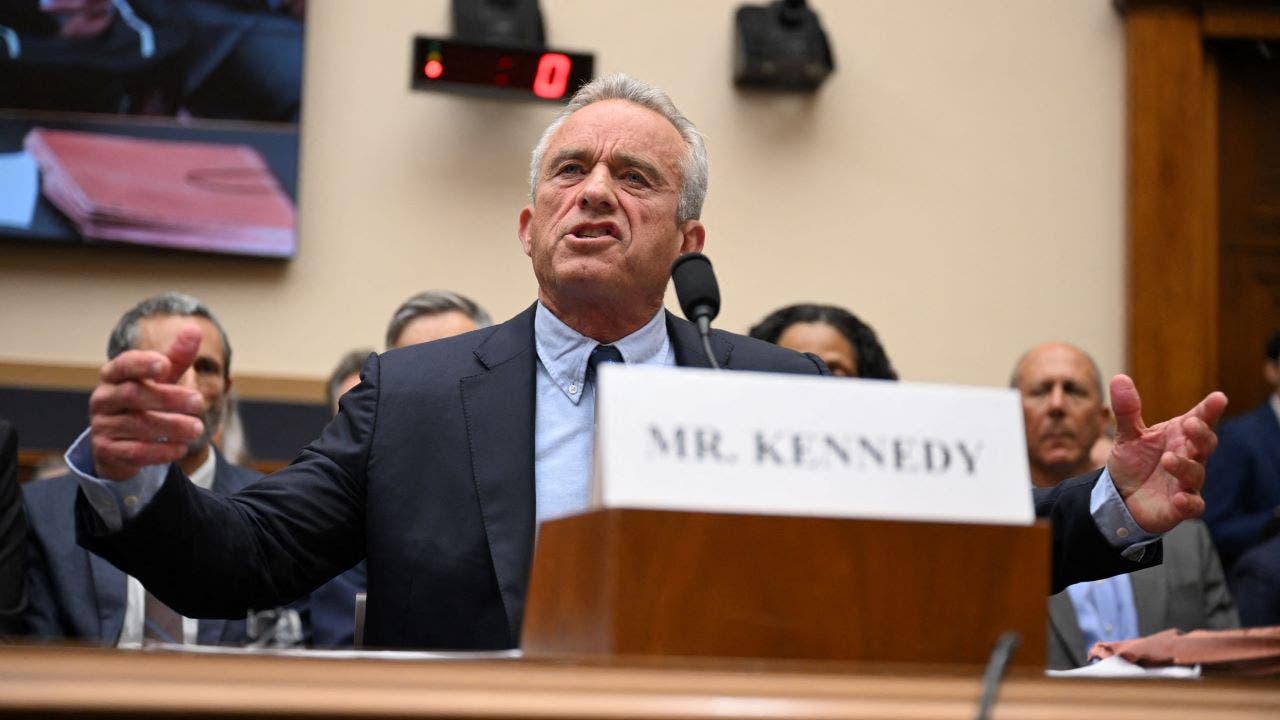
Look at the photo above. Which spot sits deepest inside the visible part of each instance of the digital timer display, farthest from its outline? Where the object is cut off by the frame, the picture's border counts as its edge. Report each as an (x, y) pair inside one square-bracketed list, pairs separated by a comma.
[(513, 72)]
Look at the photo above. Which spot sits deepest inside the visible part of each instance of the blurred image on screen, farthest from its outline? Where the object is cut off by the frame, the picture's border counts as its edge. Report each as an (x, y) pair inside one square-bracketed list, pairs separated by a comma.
[(163, 71)]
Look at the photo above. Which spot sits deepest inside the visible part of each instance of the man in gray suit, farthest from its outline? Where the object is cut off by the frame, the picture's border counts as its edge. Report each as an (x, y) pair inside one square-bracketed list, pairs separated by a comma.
[(1064, 412)]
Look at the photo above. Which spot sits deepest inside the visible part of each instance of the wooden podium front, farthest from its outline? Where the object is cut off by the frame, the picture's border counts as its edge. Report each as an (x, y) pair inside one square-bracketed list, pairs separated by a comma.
[(648, 582)]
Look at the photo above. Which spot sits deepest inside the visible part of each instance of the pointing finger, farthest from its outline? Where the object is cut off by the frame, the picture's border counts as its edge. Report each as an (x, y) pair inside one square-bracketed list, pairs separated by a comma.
[(182, 352)]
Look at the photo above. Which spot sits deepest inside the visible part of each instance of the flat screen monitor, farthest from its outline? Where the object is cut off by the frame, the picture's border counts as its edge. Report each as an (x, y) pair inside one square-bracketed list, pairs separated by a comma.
[(165, 123)]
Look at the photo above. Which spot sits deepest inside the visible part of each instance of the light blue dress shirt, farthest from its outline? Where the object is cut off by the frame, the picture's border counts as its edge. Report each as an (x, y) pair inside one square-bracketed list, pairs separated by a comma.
[(565, 415), (1115, 523), (1105, 610)]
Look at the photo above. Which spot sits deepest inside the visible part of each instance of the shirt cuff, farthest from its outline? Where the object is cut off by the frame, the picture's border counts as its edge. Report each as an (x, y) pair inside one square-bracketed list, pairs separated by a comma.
[(1114, 521), (114, 501)]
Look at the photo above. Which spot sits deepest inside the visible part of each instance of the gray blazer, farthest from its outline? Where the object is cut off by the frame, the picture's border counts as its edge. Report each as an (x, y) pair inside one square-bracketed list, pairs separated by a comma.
[(1187, 592), (77, 594)]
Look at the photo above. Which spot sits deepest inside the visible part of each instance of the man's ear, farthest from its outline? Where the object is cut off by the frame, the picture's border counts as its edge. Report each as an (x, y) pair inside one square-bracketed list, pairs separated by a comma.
[(693, 235), (526, 216)]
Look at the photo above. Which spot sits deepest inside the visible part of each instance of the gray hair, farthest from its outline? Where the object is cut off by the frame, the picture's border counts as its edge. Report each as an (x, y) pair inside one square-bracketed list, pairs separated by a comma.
[(434, 302), (125, 334), (694, 165)]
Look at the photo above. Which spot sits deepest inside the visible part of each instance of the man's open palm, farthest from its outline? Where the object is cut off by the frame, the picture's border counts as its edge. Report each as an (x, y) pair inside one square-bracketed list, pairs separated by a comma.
[(1159, 470)]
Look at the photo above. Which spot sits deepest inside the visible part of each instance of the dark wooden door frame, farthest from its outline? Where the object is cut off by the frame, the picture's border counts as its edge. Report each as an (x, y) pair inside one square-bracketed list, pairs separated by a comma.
[(1172, 257)]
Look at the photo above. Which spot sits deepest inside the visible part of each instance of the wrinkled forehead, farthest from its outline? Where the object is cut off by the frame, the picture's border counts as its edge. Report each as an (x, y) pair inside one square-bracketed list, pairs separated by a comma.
[(1057, 365), (612, 128)]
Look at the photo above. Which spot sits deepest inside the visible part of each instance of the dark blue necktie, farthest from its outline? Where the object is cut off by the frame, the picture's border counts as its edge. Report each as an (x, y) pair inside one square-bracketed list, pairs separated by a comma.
[(603, 354)]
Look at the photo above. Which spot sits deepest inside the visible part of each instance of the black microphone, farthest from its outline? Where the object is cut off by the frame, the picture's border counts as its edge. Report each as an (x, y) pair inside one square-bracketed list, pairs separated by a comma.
[(699, 295), (994, 674)]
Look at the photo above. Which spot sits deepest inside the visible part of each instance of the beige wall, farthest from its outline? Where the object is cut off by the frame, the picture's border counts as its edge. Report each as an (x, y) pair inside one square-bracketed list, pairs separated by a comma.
[(957, 182)]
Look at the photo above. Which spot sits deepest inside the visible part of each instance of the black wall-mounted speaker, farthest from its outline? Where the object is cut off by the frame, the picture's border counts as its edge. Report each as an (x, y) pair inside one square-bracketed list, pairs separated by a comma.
[(498, 22), (781, 46)]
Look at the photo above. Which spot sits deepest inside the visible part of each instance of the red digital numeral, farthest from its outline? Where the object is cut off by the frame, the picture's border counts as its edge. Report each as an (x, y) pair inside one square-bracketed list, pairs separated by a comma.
[(553, 76)]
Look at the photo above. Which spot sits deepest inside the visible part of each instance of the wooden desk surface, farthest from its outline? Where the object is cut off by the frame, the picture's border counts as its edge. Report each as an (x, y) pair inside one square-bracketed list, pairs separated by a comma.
[(85, 682)]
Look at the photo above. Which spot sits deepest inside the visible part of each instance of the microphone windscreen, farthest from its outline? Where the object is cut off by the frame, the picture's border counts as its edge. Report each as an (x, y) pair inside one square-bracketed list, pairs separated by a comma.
[(696, 286)]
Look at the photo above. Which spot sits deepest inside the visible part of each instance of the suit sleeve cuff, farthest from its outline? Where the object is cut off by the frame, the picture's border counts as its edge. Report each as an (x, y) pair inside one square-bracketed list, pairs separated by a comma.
[(1114, 521), (114, 501)]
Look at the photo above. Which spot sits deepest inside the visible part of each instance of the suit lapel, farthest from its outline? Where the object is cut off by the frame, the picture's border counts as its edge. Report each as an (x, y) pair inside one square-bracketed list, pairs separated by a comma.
[(499, 408), (688, 345), (110, 587), (1065, 626)]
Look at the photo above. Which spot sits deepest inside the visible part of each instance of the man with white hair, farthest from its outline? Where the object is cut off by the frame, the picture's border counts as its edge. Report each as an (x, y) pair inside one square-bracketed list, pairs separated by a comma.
[(439, 478)]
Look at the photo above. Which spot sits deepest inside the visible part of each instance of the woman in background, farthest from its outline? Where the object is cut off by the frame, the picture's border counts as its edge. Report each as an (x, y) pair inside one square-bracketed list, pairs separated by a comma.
[(846, 344)]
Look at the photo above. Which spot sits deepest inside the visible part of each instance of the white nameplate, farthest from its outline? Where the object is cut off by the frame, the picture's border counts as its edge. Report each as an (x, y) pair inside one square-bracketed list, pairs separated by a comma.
[(768, 443)]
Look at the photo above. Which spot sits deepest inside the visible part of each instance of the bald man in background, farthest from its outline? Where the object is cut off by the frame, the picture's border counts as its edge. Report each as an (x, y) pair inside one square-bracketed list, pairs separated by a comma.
[(1065, 414)]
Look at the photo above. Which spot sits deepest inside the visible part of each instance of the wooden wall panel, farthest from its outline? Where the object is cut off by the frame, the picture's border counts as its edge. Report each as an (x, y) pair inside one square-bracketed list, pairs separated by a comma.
[(1249, 196), (1172, 255)]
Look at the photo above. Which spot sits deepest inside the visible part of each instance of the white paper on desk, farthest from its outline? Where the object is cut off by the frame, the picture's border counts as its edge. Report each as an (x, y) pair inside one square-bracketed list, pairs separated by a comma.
[(1116, 666), (21, 183)]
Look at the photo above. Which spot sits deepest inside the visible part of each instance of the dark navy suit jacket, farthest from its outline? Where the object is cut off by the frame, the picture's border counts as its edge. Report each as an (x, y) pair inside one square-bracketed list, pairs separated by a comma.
[(333, 609), (428, 472), (76, 594), (1242, 482), (1255, 580), (13, 533)]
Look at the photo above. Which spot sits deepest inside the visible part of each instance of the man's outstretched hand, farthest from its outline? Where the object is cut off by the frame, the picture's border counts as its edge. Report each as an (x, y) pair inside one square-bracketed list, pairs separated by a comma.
[(139, 415), (1159, 470)]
